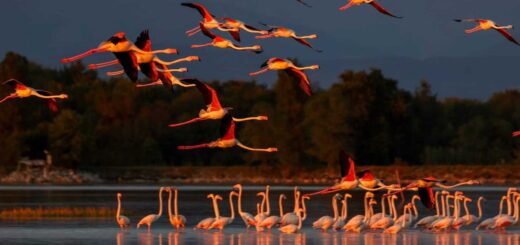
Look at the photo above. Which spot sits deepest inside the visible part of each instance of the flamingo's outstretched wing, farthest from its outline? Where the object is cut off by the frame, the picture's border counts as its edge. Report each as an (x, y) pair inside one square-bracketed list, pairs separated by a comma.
[(50, 102), (165, 77), (306, 43), (427, 197), (467, 20), (382, 10), (202, 10), (507, 35), (15, 84), (304, 83), (347, 166), (227, 127), (208, 93), (365, 175), (144, 43), (206, 32)]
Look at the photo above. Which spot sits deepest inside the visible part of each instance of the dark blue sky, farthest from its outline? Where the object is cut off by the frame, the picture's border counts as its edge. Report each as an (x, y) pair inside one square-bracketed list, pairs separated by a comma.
[(426, 44)]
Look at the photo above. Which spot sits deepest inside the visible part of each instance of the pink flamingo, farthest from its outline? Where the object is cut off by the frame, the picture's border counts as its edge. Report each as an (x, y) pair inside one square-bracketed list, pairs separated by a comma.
[(484, 25), (233, 27), (374, 4), (220, 42), (208, 22), (22, 91), (284, 32)]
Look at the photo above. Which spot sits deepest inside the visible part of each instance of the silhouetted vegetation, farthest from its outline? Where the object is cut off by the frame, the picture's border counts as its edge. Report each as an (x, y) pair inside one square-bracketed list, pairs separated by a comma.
[(110, 123)]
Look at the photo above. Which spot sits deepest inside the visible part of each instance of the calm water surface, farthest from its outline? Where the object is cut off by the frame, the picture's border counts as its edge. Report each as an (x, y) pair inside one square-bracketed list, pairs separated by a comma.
[(139, 201)]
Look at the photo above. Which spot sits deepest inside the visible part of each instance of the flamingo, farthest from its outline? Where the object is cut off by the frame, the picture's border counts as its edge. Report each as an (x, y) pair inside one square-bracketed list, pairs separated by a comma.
[(374, 4), (369, 181), (359, 220), (284, 32), (470, 218), (227, 139), (233, 26), (214, 110), (507, 220), (304, 217), (425, 189), (261, 215), (365, 222), (248, 218), (383, 221), (22, 91), (292, 228), (461, 221), (340, 222), (490, 221), (122, 221), (397, 227), (426, 221), (325, 222), (220, 42), (286, 65), (221, 222), (446, 222), (124, 50), (177, 220), (292, 218), (208, 22), (484, 25), (416, 213), (273, 220), (149, 219), (206, 223)]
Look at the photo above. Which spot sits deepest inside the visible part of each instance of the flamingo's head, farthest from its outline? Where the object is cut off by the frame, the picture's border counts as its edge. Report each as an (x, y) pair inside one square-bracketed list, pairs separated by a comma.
[(369, 194), (445, 192), (171, 51), (283, 196), (63, 96), (272, 149), (237, 187), (313, 36), (168, 189), (119, 194), (112, 42), (210, 195), (260, 193)]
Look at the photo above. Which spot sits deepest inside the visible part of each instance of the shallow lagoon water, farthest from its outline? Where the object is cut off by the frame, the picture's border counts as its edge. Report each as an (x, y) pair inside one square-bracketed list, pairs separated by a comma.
[(140, 200)]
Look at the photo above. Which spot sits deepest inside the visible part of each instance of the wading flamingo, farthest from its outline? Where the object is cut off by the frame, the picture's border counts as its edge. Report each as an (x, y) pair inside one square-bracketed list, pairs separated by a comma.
[(484, 25), (340, 222), (470, 218), (446, 222), (325, 222), (284, 32), (460, 220), (425, 189), (506, 221), (374, 4), (206, 223), (214, 110), (149, 219), (177, 220), (262, 214), (292, 218), (221, 222), (382, 221), (426, 221), (359, 220), (273, 220), (220, 42), (490, 221), (22, 91), (292, 228), (227, 139), (304, 207), (233, 26), (208, 22), (397, 227), (124, 50), (122, 221), (248, 218)]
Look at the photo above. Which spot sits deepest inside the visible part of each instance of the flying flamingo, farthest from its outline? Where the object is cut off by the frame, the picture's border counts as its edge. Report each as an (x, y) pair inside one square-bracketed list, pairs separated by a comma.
[(369, 181), (208, 22), (485, 25), (490, 221), (221, 222), (149, 219), (248, 218), (22, 91), (214, 109), (342, 219), (124, 50), (220, 42), (325, 222), (177, 220), (284, 32), (292, 228), (425, 189), (233, 26), (206, 223), (374, 4), (273, 220), (286, 65), (426, 221), (227, 138), (122, 221)]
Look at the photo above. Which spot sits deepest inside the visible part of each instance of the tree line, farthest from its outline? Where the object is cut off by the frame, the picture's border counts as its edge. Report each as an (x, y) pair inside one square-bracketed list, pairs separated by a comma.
[(110, 123)]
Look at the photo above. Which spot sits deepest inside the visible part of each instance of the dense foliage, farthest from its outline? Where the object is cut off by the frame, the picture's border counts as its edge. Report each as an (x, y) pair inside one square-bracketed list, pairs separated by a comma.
[(110, 123)]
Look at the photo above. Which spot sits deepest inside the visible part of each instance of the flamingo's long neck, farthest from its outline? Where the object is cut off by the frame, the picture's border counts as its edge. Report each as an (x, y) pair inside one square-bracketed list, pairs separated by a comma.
[(448, 213), (406, 208), (231, 206), (394, 210), (443, 206), (383, 209), (247, 119), (343, 209), (416, 213), (466, 207), (437, 204), (516, 210), (346, 208), (456, 209), (240, 200), (501, 209), (509, 210), (295, 201), (366, 206), (48, 96), (335, 207), (306, 37), (242, 48), (268, 212), (305, 67), (299, 221), (160, 202), (118, 207), (215, 208), (252, 149), (176, 208), (263, 205), (304, 209), (170, 204), (453, 186), (280, 205), (479, 208)]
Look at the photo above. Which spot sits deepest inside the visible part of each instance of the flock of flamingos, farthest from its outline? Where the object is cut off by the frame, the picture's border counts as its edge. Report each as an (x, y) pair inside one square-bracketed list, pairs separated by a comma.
[(140, 57)]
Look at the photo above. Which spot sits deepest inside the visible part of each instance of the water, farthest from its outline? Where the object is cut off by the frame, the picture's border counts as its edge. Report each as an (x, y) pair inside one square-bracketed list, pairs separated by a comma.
[(139, 201)]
